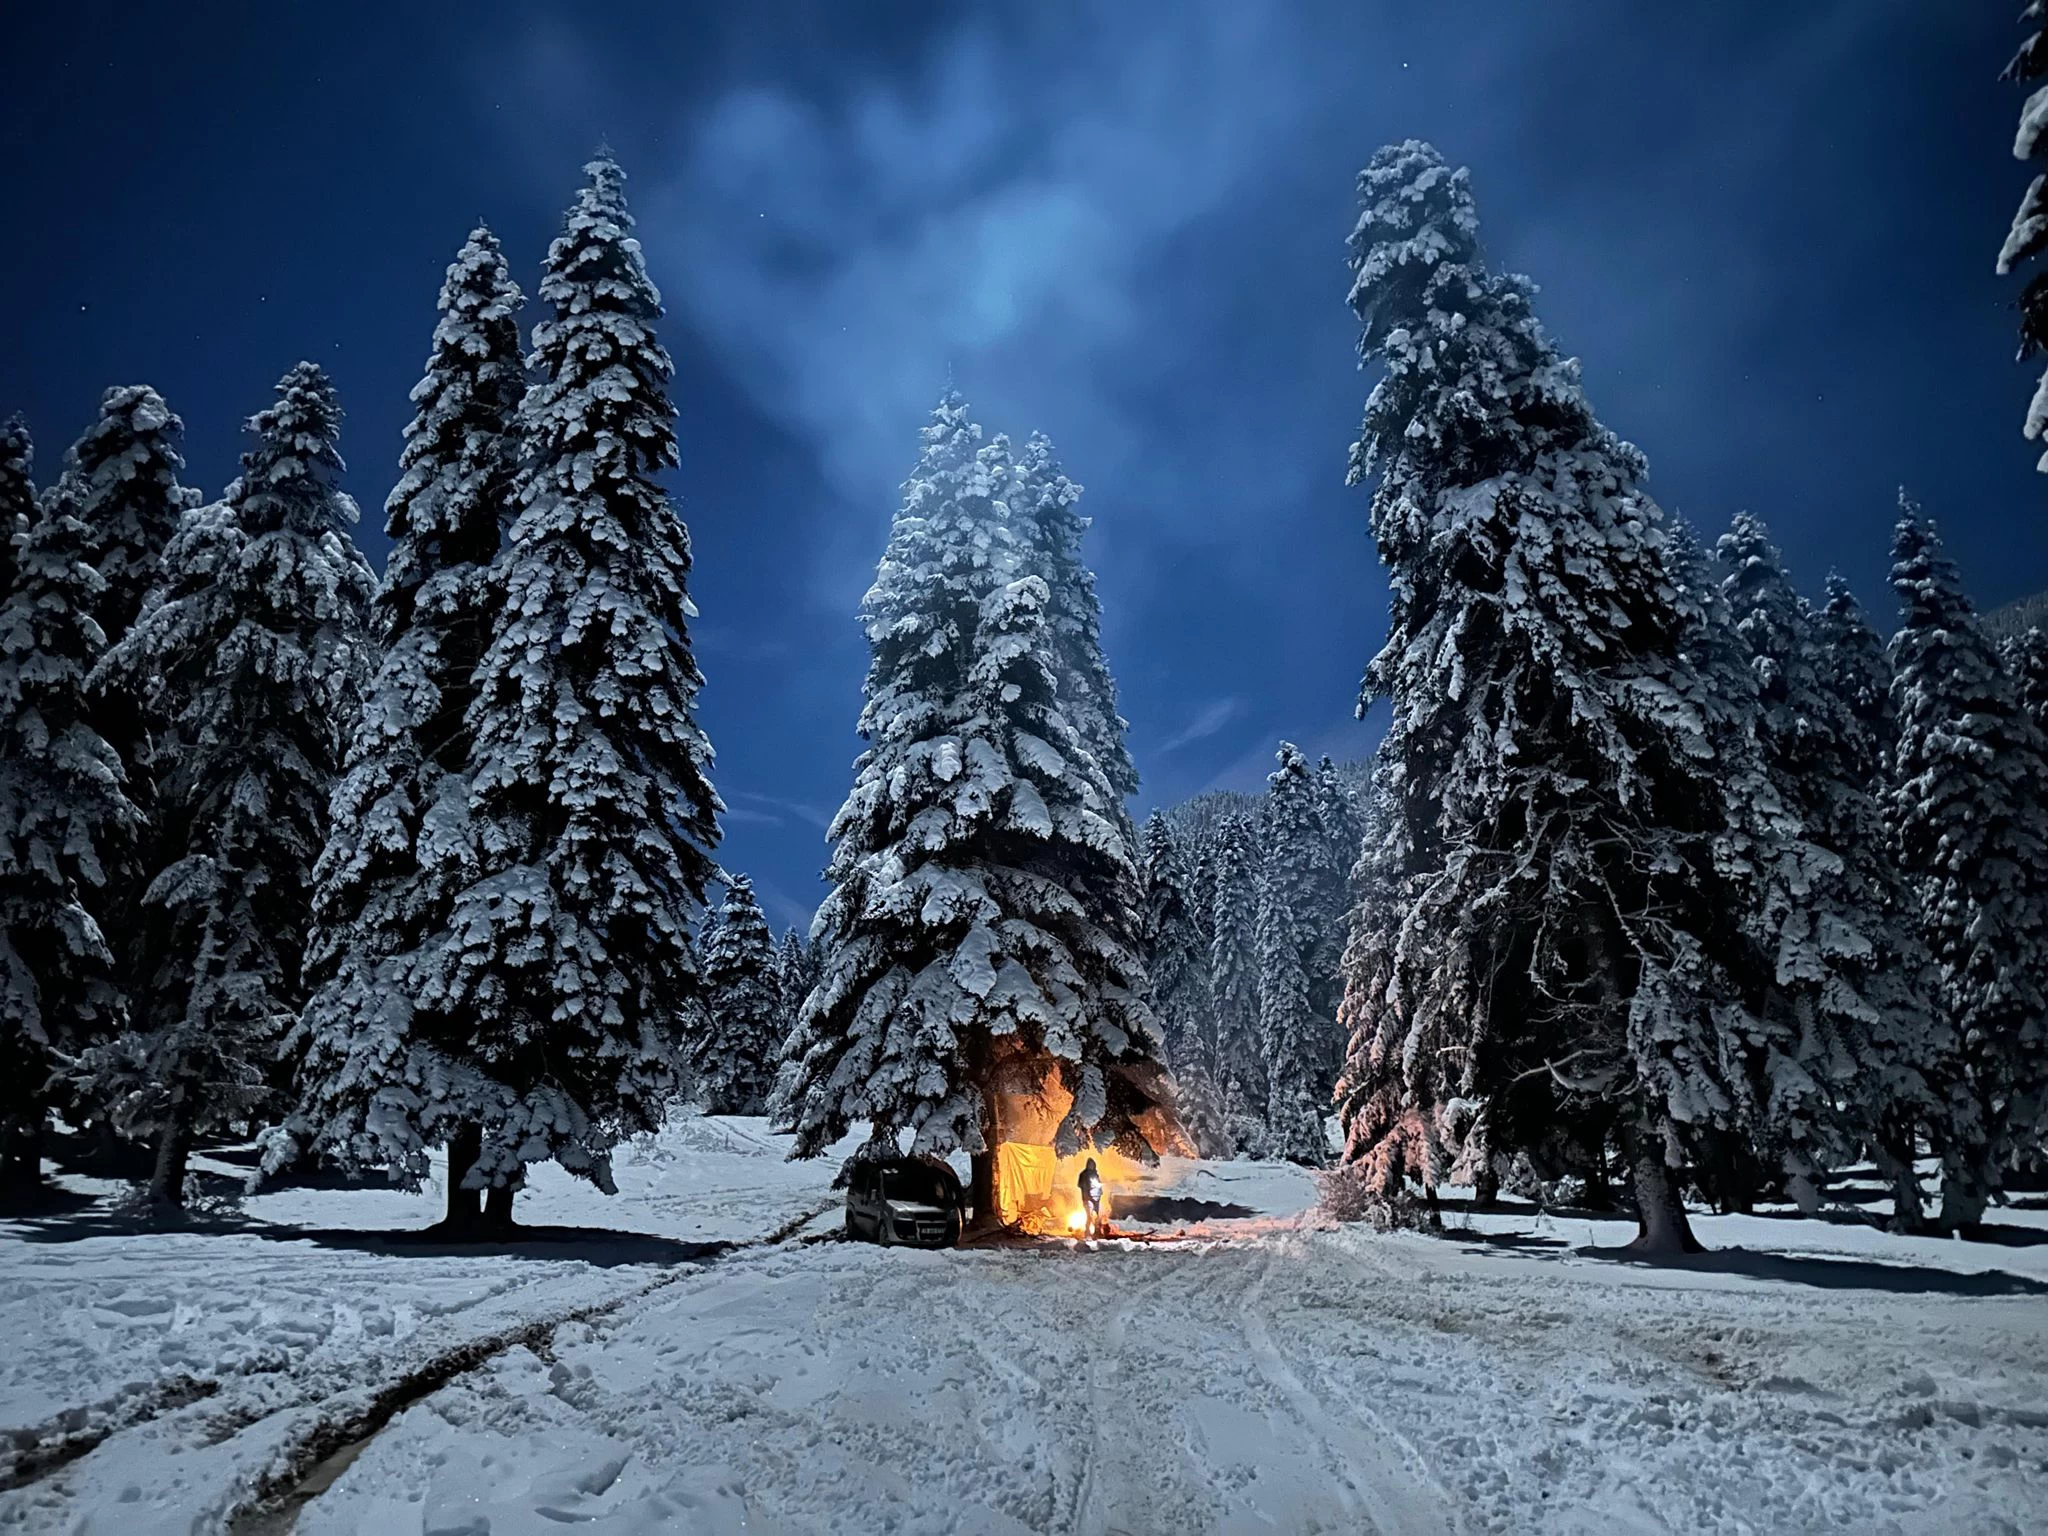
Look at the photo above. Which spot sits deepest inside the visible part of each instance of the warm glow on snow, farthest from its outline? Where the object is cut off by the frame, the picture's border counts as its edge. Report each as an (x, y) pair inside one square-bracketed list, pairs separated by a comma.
[(1056, 1211)]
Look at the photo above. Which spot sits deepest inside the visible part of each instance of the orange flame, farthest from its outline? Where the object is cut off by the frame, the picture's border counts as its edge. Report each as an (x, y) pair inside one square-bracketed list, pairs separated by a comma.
[(1057, 1210)]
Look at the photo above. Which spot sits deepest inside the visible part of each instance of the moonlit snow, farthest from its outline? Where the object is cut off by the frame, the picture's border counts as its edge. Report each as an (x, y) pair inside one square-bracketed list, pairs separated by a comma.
[(1249, 1372)]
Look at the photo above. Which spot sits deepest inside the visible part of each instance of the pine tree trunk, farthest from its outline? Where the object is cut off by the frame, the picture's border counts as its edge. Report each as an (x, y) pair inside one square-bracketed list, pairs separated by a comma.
[(1599, 1182), (1895, 1156), (981, 1175), (173, 1153), (21, 1160), (1736, 1182), (465, 1206), (1485, 1182), (498, 1207), (107, 1146), (1661, 1225), (981, 1191), (1964, 1198)]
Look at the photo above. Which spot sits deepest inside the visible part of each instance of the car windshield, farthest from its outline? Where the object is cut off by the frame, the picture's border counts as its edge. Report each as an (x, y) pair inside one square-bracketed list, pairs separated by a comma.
[(915, 1185)]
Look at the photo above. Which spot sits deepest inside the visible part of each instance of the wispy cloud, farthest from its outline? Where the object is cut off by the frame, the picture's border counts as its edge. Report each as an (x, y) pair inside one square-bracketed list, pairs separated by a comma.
[(782, 909), (1207, 723), (744, 806), (1004, 212)]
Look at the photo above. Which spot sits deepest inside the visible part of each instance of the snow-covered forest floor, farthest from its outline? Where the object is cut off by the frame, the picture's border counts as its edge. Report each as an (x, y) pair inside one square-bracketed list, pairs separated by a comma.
[(1261, 1370)]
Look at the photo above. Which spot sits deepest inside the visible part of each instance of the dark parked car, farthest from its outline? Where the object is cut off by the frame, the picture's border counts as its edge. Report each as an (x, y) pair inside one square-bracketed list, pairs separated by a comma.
[(905, 1200)]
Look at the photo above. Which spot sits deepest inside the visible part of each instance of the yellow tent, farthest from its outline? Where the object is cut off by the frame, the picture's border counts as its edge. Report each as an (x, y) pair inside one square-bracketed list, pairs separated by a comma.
[(1024, 1175)]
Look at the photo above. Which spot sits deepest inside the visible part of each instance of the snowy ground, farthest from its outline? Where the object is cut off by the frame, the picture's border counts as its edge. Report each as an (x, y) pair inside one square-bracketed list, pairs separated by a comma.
[(1262, 1372)]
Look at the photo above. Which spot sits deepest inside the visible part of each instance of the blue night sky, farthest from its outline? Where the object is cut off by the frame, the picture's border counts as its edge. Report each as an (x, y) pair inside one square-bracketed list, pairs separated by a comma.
[(1768, 229)]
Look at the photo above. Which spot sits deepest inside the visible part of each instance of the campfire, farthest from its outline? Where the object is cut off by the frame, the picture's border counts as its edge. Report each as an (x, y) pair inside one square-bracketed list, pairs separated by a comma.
[(1037, 1190)]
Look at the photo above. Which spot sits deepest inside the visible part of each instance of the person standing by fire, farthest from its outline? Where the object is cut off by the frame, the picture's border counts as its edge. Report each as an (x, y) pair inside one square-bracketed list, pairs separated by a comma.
[(1091, 1200)]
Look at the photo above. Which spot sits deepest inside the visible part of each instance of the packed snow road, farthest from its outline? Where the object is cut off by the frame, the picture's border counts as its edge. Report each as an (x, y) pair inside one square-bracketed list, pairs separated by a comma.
[(1291, 1381), (1265, 1374)]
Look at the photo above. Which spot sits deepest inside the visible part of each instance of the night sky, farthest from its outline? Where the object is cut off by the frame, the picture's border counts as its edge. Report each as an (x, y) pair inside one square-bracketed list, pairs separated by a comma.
[(1768, 230)]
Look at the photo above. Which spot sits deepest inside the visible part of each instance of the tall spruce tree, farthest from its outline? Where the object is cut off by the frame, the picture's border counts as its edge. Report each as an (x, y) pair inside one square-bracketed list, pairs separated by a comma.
[(65, 822), (253, 651), (1234, 978), (795, 974), (981, 933), (1177, 959), (122, 479), (733, 1060), (2028, 236), (1583, 825), (1858, 669), (1393, 1115), (568, 957), (17, 496), (1846, 996), (2026, 658), (1856, 673), (1299, 926), (1051, 530), (386, 1073), (1338, 810), (1969, 816)]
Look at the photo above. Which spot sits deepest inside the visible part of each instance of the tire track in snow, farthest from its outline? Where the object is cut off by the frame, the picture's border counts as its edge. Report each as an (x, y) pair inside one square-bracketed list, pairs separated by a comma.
[(1388, 1492), (1099, 1413), (39, 1451), (310, 1467)]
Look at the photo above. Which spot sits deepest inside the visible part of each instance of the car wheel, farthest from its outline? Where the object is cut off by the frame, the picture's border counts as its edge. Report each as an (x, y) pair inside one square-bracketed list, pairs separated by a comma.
[(882, 1233), (852, 1226)]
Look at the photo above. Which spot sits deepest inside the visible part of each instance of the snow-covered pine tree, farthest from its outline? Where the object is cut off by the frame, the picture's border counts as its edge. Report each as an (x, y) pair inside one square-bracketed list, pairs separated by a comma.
[(1969, 818), (1785, 982), (2026, 658), (796, 972), (17, 496), (795, 975), (1846, 1002), (568, 960), (1341, 817), (982, 928), (1234, 978), (2028, 236), (1177, 966), (1578, 842), (1393, 1126), (253, 650), (121, 478), (65, 822), (385, 1074), (733, 1062), (1857, 672), (1338, 810), (1300, 913), (1052, 530)]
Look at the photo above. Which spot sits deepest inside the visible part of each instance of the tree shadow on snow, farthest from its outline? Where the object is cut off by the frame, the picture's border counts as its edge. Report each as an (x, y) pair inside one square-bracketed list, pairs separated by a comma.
[(43, 1203), (599, 1246), (1831, 1274), (1512, 1242), (1999, 1234), (307, 1173), (1165, 1208)]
